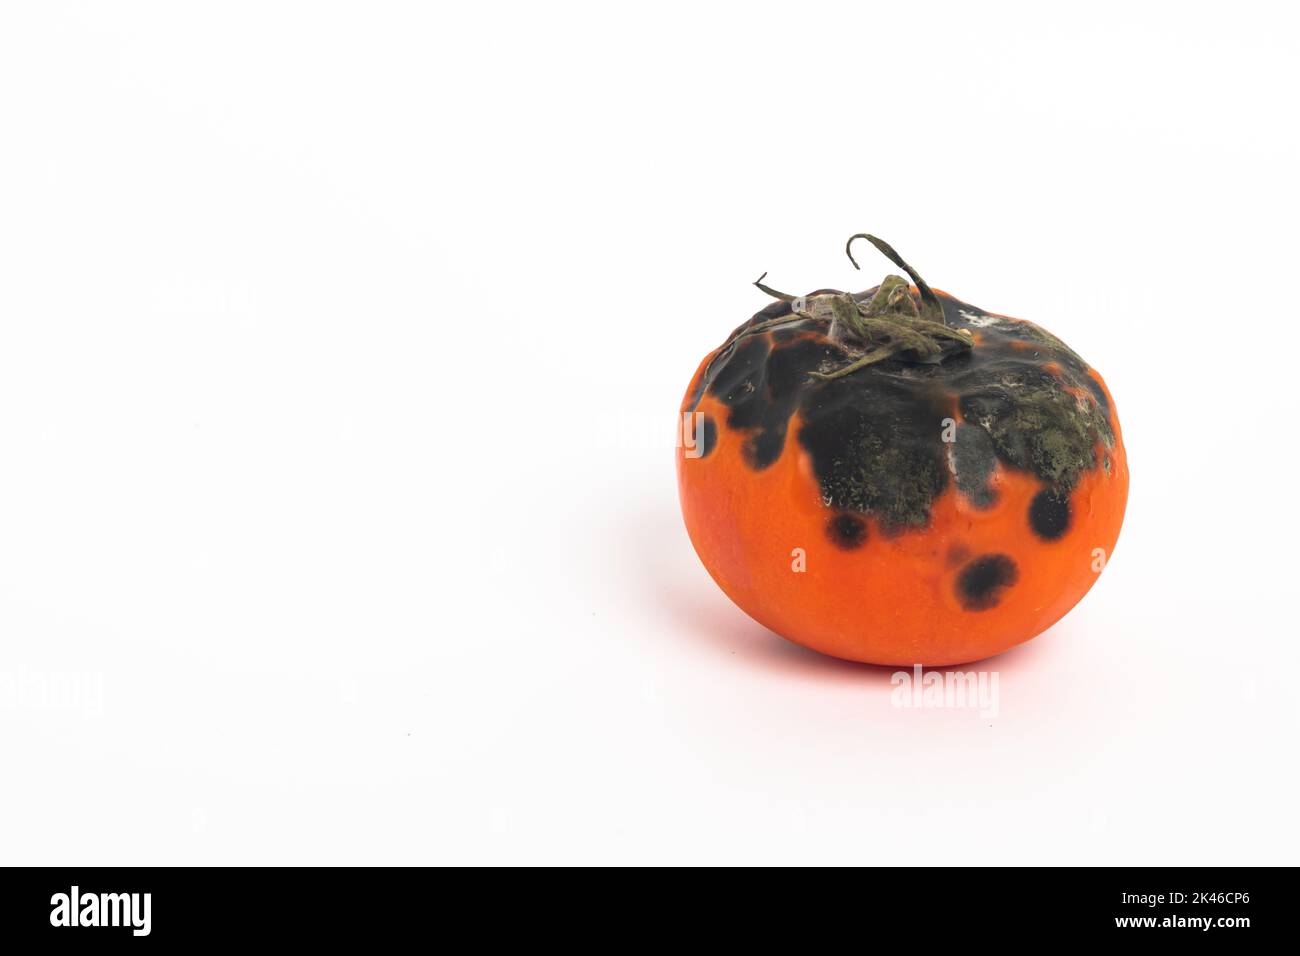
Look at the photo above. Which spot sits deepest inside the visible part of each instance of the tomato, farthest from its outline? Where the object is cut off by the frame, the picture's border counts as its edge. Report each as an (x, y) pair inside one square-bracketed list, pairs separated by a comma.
[(898, 477)]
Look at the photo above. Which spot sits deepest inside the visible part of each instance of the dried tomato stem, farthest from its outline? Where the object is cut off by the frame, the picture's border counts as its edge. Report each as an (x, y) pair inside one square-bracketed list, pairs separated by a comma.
[(871, 358), (889, 325), (772, 292), (930, 307)]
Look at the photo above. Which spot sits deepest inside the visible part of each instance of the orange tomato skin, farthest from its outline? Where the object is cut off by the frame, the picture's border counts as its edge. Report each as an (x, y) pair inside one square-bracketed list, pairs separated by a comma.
[(895, 600)]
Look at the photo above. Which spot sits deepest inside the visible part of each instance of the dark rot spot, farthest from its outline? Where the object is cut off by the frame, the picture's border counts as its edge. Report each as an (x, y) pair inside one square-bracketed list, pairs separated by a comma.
[(876, 449), (1049, 514), (848, 532), (741, 382), (1098, 392), (765, 447), (982, 583), (761, 386), (974, 459)]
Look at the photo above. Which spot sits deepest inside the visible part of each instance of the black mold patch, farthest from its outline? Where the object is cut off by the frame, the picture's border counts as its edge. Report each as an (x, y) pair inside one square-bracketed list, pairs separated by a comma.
[(846, 531), (1049, 514), (876, 448), (874, 437), (761, 386), (738, 382), (1035, 423), (974, 458), (777, 310), (1098, 393), (982, 583)]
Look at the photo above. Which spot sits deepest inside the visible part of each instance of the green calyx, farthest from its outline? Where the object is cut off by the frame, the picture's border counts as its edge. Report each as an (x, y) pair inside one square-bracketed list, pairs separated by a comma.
[(889, 325)]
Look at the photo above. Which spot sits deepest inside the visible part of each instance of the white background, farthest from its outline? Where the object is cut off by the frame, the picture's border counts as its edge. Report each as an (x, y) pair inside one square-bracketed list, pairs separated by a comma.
[(340, 349)]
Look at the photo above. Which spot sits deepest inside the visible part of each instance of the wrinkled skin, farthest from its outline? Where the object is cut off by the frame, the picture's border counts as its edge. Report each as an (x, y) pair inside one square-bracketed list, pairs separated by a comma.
[(942, 510)]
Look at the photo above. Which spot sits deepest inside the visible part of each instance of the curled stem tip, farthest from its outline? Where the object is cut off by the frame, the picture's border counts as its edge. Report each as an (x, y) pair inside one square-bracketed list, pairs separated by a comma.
[(770, 291), (931, 309)]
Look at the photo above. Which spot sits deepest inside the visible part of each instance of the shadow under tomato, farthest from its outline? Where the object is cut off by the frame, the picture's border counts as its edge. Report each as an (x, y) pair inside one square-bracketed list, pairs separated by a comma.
[(668, 581)]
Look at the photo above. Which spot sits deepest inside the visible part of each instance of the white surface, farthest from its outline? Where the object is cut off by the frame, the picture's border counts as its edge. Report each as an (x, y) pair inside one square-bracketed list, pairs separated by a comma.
[(339, 352)]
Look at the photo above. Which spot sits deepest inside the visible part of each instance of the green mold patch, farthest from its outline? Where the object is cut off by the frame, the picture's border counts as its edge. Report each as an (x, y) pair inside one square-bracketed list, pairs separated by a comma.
[(1036, 423), (875, 448), (879, 475)]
